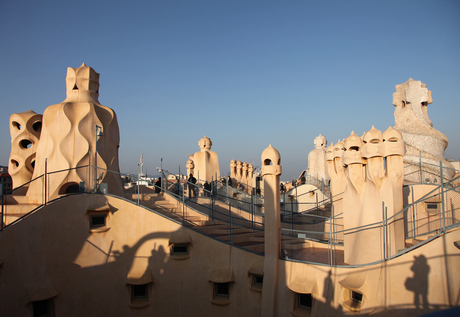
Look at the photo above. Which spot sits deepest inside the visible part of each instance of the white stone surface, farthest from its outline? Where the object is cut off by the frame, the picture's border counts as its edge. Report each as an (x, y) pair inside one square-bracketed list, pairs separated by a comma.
[(424, 144), (317, 163)]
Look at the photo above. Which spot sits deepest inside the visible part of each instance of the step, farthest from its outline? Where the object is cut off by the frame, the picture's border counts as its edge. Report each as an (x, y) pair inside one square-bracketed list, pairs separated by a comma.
[(256, 247), (234, 230), (196, 220), (188, 214), (213, 223), (170, 209), (165, 205), (208, 229), (193, 218), (296, 245), (163, 202), (199, 223), (260, 239), (242, 238)]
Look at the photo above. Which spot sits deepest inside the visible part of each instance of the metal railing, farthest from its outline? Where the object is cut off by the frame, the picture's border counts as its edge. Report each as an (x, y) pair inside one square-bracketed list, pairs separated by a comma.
[(291, 203), (418, 222), (16, 201), (201, 207), (217, 200), (239, 213), (427, 173), (312, 179), (434, 212)]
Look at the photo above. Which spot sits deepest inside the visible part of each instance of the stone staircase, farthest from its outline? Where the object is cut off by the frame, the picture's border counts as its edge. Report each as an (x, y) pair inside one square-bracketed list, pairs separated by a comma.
[(250, 239), (172, 209), (246, 238)]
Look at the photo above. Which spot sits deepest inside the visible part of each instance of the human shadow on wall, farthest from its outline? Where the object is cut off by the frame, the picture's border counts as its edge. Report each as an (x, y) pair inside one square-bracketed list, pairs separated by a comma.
[(127, 266), (419, 282), (328, 290)]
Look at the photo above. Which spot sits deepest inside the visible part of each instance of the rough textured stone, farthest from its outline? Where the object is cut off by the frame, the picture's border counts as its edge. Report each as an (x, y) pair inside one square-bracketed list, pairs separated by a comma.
[(317, 163), (424, 144)]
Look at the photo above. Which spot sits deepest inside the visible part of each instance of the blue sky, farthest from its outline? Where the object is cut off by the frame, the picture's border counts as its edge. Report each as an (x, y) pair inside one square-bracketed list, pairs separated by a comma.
[(245, 73)]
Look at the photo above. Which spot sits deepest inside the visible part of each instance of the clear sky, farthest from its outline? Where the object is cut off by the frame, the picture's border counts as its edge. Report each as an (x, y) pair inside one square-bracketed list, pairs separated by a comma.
[(245, 73)]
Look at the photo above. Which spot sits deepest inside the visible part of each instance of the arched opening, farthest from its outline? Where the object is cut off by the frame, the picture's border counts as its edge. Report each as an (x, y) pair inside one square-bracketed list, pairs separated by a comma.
[(37, 126), (69, 188), (15, 163), (30, 163), (25, 144)]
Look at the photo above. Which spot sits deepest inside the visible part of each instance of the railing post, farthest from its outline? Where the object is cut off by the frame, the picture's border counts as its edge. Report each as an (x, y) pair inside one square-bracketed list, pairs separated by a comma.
[(316, 193), (384, 231), (230, 222), (280, 250), (252, 211), (212, 200), (138, 192), (46, 180), (162, 175), (183, 200), (226, 185), (89, 171), (387, 236), (333, 224), (3, 203), (442, 200), (284, 205), (330, 239), (414, 224), (95, 166), (334, 230), (421, 172), (296, 198)]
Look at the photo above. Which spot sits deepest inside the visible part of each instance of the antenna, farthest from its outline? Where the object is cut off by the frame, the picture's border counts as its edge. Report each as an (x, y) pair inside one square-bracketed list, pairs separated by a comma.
[(141, 164)]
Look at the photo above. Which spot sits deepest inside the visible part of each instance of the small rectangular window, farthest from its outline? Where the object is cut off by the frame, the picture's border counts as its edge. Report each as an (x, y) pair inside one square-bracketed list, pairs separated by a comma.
[(139, 291), (42, 308), (179, 249), (221, 289), (97, 221), (304, 301), (357, 297), (353, 300), (257, 280), (432, 206)]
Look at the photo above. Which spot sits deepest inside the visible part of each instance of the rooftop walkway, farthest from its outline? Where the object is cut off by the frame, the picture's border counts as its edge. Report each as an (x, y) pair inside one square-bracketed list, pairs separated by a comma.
[(234, 227)]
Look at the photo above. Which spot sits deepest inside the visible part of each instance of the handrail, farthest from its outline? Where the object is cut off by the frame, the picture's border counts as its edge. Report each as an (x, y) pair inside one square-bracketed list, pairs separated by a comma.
[(218, 193)]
